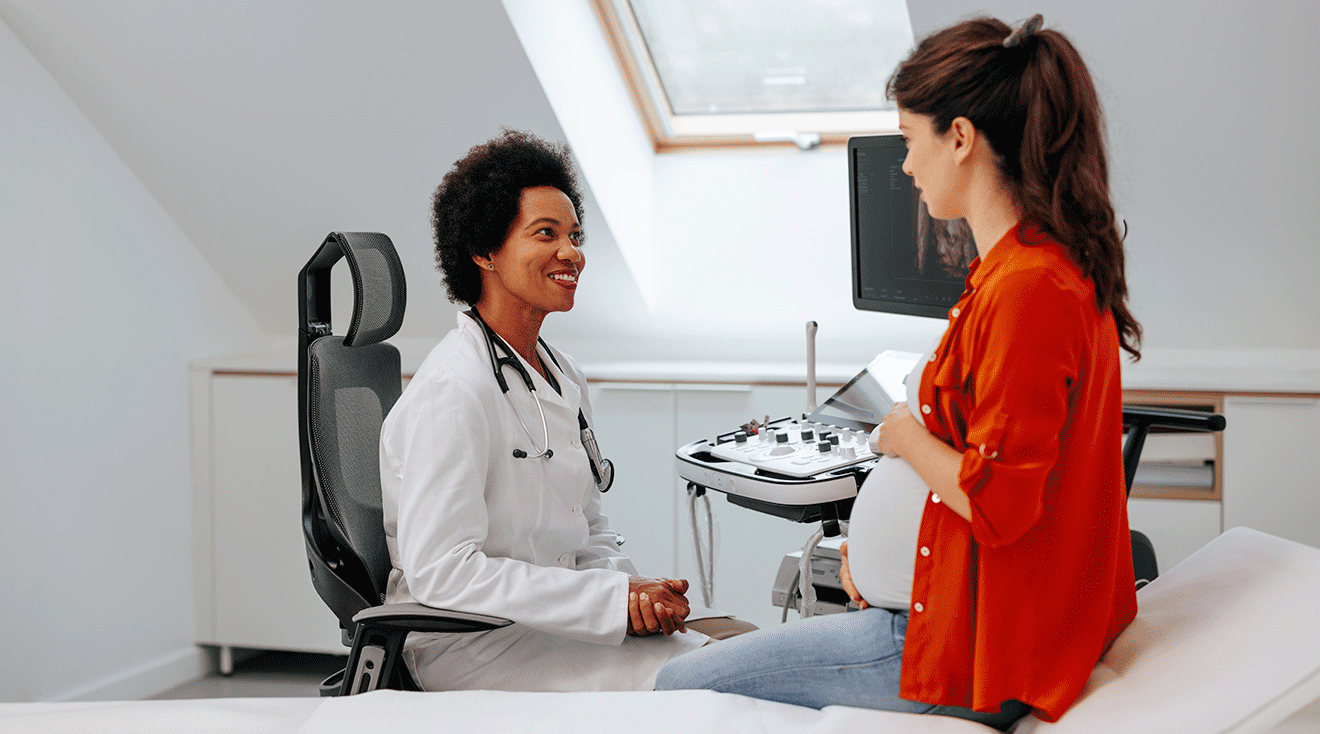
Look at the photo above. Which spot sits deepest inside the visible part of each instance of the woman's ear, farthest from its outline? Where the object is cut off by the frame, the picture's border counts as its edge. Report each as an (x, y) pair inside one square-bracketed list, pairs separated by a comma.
[(484, 262), (964, 137)]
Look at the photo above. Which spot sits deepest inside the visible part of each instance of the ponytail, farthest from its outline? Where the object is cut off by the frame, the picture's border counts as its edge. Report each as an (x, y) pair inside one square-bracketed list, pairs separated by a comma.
[(1029, 92)]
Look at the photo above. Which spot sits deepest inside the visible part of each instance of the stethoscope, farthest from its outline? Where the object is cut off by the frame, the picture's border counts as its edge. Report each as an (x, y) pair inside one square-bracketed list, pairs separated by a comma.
[(601, 469)]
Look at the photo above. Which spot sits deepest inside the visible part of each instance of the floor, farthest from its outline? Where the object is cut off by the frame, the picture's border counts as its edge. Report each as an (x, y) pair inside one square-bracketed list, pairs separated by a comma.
[(264, 675)]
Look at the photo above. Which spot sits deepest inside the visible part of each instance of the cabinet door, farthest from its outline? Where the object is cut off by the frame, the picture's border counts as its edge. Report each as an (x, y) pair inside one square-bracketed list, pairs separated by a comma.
[(634, 426), (1177, 528), (1271, 482), (262, 591)]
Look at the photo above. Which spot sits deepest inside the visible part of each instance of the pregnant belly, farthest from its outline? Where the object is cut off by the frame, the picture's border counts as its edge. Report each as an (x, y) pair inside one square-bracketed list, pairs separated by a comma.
[(882, 533)]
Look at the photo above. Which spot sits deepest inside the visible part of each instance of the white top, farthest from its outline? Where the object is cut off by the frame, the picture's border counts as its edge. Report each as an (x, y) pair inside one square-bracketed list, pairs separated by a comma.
[(472, 528), (882, 531)]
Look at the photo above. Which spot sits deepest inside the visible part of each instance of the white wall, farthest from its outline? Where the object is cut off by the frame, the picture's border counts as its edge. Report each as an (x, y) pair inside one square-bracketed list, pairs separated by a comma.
[(104, 302), (1207, 105), (742, 247)]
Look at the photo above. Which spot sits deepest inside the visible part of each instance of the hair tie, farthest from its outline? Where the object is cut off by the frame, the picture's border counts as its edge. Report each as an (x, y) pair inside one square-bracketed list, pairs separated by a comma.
[(1024, 31)]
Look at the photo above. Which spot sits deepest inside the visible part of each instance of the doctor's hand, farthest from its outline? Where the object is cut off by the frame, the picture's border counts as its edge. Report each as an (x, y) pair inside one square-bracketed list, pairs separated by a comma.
[(845, 578), (656, 605)]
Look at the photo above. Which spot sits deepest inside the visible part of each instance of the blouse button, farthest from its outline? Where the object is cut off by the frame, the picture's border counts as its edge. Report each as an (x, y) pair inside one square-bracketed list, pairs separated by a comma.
[(918, 607), (934, 498), (955, 312), (932, 357), (566, 560), (925, 551), (577, 510), (925, 409)]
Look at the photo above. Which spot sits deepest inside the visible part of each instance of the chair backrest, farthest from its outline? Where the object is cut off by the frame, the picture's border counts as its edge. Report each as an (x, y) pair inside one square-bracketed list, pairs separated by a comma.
[(346, 386)]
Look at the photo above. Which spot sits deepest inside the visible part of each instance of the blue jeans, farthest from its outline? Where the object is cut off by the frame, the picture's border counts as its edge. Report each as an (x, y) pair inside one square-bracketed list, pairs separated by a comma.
[(852, 659)]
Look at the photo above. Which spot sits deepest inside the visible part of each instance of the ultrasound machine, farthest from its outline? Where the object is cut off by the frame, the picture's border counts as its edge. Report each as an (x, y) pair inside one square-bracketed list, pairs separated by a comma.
[(808, 468)]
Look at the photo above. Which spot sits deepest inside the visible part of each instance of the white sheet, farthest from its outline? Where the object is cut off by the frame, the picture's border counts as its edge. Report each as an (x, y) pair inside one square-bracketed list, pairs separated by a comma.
[(469, 712), (1225, 643), (209, 716)]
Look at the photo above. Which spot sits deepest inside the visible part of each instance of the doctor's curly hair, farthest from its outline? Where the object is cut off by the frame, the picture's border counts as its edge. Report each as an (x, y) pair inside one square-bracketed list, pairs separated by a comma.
[(479, 198)]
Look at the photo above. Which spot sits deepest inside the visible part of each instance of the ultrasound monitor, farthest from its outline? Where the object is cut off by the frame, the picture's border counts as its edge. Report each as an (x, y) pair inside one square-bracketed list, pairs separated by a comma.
[(903, 261)]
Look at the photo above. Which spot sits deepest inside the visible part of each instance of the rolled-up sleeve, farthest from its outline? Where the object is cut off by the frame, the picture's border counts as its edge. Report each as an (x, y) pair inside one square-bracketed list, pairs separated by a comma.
[(1028, 348)]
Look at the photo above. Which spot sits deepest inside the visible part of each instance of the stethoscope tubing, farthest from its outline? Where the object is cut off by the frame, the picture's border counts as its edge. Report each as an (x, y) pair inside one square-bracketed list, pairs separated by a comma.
[(497, 365), (545, 429), (602, 470)]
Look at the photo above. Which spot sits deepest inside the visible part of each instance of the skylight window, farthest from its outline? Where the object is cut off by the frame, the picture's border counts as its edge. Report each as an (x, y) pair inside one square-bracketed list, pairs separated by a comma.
[(735, 72)]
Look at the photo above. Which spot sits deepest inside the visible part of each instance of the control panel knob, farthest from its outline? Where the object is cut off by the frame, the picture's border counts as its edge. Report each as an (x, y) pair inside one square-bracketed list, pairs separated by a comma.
[(781, 438), (740, 437)]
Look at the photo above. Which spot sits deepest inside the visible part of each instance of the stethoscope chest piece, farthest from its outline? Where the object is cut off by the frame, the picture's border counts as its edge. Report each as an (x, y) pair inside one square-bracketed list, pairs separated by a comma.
[(602, 470)]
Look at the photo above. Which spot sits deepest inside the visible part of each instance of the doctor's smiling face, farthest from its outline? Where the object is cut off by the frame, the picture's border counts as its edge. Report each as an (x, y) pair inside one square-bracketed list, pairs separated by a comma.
[(537, 267)]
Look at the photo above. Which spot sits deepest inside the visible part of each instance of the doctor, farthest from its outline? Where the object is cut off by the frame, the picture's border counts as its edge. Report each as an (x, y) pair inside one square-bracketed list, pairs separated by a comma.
[(490, 501)]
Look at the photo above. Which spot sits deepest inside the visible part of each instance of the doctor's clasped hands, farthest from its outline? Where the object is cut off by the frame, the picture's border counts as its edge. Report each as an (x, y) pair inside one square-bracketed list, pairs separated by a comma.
[(656, 605)]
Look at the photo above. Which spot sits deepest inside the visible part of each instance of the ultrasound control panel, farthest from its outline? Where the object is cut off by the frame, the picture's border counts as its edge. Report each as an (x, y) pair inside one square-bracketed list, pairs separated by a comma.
[(799, 468), (798, 449)]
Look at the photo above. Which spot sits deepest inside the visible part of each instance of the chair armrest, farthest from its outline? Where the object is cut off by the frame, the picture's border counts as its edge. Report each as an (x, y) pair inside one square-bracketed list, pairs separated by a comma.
[(412, 617), (1192, 420), (1138, 420)]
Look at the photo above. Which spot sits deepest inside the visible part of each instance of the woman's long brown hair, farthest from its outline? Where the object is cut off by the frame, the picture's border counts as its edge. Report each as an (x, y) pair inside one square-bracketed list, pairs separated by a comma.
[(1038, 108)]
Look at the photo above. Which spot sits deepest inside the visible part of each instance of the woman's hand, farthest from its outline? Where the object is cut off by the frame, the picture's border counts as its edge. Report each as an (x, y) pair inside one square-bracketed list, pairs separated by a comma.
[(895, 434), (845, 577), (938, 464), (656, 605)]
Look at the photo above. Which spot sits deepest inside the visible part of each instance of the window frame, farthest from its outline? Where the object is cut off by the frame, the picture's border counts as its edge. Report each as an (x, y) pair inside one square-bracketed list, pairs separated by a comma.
[(671, 133)]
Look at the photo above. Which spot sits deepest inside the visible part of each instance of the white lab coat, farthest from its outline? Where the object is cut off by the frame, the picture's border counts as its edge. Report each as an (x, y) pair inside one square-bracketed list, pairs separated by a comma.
[(470, 527)]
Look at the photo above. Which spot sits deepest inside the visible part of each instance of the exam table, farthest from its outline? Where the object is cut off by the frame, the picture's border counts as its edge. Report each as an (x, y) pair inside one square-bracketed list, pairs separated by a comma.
[(1226, 641)]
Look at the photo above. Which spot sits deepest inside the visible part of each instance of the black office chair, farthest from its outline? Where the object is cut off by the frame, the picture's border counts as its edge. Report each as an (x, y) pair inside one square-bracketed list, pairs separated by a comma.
[(1138, 420), (346, 387)]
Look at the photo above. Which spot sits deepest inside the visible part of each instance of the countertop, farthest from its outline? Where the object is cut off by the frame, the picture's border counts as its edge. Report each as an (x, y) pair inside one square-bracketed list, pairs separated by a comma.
[(1288, 371)]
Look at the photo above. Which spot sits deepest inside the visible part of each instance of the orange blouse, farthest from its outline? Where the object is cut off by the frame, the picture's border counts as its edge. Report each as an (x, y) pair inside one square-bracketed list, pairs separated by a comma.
[(1021, 602)]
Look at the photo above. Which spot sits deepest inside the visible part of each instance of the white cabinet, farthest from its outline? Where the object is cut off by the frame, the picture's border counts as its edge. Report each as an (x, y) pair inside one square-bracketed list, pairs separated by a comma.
[(1271, 476), (1177, 528), (254, 589), (633, 428)]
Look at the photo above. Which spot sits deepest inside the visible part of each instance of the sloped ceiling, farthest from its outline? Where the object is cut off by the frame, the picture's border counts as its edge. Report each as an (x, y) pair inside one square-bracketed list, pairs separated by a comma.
[(261, 126)]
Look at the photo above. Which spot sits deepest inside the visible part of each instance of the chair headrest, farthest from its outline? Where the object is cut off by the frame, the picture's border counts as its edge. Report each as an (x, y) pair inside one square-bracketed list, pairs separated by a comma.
[(379, 290)]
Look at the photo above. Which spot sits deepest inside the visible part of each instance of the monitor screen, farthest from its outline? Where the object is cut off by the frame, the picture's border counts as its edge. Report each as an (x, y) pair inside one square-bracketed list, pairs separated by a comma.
[(903, 261)]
